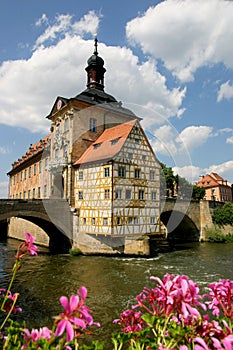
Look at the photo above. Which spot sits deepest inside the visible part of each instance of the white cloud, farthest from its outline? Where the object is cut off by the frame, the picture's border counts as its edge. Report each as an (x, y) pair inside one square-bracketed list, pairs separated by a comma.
[(29, 87), (192, 173), (3, 150), (189, 172), (41, 20), (230, 140), (186, 34), (3, 189), (194, 136), (63, 25), (225, 91)]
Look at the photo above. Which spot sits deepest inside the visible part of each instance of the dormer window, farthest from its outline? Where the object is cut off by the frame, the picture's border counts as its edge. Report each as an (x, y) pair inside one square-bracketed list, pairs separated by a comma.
[(97, 145), (92, 125), (114, 141)]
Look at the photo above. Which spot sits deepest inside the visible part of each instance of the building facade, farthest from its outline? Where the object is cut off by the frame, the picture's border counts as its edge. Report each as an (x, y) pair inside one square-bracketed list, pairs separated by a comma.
[(216, 187), (98, 158)]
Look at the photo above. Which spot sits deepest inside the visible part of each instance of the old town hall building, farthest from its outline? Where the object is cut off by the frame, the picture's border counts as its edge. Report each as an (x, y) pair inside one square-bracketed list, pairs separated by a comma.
[(96, 157)]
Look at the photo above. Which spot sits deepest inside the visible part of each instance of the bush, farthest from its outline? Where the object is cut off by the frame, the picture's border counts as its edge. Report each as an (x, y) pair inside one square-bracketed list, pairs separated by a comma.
[(224, 216), (215, 235)]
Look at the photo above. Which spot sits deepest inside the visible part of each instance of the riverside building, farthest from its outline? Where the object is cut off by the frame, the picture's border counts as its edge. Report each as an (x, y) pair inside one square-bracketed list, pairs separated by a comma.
[(97, 157)]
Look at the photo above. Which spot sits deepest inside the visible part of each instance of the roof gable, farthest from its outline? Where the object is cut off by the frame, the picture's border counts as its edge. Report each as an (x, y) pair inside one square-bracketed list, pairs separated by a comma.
[(108, 145)]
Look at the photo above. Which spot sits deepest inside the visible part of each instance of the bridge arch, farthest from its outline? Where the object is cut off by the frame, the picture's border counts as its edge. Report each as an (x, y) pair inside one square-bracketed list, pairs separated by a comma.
[(59, 240), (179, 226)]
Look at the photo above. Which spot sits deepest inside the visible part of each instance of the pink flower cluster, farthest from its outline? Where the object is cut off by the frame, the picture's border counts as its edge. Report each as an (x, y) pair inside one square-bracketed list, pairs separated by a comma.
[(10, 300), (72, 321), (27, 247), (221, 296), (177, 298), (76, 317), (130, 321), (172, 295)]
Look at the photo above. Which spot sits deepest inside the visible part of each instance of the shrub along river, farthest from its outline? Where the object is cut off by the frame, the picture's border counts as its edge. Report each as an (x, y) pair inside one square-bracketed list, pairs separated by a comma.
[(112, 282)]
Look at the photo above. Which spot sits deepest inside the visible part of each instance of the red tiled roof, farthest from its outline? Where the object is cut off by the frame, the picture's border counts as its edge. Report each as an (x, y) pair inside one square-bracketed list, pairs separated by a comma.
[(33, 150), (108, 144)]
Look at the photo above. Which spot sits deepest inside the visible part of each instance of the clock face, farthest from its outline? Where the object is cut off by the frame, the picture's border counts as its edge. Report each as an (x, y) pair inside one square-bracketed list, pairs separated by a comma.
[(59, 104)]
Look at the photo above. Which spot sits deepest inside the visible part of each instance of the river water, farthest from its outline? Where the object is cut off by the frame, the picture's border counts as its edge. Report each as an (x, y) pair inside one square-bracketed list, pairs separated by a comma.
[(112, 282)]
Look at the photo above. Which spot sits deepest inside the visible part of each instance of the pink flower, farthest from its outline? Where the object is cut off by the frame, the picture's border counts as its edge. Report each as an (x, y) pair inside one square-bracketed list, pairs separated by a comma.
[(173, 294), (11, 298), (27, 247), (35, 335), (130, 321), (221, 296), (76, 315)]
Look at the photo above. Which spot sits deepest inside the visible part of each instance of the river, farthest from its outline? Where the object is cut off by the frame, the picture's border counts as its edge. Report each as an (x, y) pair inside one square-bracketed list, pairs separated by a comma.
[(112, 282)]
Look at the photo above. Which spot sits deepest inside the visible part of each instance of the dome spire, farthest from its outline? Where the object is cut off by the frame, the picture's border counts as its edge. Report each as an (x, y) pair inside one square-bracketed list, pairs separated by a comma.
[(95, 70)]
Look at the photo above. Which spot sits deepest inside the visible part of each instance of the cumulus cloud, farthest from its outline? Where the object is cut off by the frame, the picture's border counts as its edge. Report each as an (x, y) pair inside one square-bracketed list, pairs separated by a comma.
[(63, 25), (225, 91), (194, 136), (4, 150), (29, 87), (230, 140), (192, 173), (185, 34)]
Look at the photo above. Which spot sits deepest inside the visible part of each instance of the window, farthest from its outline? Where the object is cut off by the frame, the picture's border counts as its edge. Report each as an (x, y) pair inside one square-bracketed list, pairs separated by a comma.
[(118, 193), (34, 171), (45, 190), (25, 174), (152, 174), (33, 193), (137, 141), (153, 195), (107, 193), (80, 195), (66, 127), (29, 194), (30, 172), (80, 175), (106, 172), (141, 194), (113, 142), (128, 194), (130, 220), (152, 220), (136, 221), (93, 221), (130, 155), (105, 221), (84, 221), (92, 125), (137, 173), (121, 171), (118, 221), (143, 157), (21, 176), (38, 192), (40, 166), (97, 145)]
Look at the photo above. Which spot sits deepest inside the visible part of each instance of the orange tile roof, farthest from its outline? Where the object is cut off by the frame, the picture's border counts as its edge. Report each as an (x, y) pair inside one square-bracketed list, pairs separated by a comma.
[(108, 144), (33, 150)]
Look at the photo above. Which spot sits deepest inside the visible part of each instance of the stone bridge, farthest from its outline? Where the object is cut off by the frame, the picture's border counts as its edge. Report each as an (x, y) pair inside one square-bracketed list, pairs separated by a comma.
[(182, 220), (185, 220), (52, 216)]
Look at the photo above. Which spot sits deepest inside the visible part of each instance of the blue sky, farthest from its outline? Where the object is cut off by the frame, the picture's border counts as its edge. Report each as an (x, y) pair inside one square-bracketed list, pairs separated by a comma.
[(169, 61)]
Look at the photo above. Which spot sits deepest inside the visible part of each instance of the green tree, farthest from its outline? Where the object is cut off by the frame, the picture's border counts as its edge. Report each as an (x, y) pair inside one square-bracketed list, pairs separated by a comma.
[(198, 192), (168, 181), (224, 216)]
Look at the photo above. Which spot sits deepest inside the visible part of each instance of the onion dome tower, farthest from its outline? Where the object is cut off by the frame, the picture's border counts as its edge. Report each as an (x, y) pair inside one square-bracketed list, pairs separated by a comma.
[(95, 70)]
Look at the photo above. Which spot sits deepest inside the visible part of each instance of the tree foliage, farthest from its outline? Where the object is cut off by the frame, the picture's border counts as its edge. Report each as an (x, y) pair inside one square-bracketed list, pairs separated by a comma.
[(177, 186), (224, 216)]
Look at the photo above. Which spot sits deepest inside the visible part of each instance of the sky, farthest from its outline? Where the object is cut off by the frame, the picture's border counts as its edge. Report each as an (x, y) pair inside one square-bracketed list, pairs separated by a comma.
[(168, 61)]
